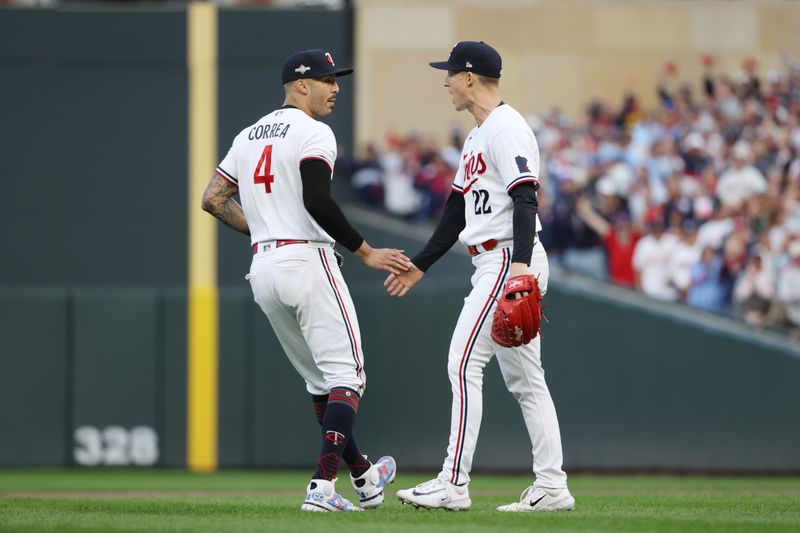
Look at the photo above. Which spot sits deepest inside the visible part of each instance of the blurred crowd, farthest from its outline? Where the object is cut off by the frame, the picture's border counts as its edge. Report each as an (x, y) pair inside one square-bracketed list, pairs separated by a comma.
[(697, 201)]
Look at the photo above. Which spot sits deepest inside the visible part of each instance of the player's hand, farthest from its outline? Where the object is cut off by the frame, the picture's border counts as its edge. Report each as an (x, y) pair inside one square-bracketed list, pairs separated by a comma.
[(519, 269), (389, 259), (399, 284)]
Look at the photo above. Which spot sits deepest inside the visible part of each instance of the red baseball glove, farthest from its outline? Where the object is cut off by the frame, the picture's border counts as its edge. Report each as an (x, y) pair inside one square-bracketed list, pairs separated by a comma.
[(516, 321)]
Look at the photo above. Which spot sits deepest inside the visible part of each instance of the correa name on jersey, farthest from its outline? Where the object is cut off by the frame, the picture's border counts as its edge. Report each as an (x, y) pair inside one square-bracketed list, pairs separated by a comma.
[(268, 131)]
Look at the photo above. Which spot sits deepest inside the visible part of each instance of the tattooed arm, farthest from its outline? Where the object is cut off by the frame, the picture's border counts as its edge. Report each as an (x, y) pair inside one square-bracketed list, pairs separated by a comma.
[(218, 200)]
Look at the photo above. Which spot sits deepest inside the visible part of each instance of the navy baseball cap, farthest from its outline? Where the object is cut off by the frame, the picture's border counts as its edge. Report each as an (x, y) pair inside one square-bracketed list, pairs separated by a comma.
[(313, 63), (472, 56)]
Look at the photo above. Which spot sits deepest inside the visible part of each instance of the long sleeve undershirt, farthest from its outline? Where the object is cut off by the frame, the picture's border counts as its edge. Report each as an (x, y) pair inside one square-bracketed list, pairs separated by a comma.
[(445, 235), (525, 208), (316, 177), (453, 222)]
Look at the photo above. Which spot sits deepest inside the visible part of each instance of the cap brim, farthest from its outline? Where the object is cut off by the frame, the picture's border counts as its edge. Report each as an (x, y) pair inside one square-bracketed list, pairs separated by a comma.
[(341, 72), (443, 65)]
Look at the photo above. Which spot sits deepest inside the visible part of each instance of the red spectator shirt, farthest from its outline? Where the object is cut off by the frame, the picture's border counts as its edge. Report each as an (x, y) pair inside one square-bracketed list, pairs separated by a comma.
[(620, 258)]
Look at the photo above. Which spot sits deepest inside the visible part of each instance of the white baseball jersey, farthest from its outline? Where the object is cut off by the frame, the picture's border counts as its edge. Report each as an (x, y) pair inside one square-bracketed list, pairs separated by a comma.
[(498, 155), (315, 321), (264, 162)]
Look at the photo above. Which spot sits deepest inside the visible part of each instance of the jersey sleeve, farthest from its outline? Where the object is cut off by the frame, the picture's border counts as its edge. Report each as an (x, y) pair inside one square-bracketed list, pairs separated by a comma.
[(458, 179), (320, 144), (227, 168), (516, 155)]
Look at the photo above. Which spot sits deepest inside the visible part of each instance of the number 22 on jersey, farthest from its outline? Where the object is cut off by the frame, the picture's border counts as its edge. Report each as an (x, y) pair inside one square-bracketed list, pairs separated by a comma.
[(263, 172)]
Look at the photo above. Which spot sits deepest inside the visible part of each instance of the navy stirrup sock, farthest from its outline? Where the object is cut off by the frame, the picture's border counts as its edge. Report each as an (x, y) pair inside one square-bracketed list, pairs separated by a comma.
[(337, 417)]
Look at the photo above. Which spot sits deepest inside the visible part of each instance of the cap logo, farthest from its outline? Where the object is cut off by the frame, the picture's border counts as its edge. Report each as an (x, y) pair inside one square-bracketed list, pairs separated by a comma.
[(302, 69), (468, 65), (329, 58)]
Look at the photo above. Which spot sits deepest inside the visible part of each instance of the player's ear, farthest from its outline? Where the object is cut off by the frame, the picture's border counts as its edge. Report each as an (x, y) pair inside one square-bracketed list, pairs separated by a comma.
[(302, 86)]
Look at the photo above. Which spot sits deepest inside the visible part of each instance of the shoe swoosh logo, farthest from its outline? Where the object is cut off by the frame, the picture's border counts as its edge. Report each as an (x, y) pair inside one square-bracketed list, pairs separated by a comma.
[(415, 492), (533, 504)]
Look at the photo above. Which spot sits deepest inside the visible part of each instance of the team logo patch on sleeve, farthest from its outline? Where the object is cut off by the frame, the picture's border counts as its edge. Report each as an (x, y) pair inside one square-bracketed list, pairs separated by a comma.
[(522, 164)]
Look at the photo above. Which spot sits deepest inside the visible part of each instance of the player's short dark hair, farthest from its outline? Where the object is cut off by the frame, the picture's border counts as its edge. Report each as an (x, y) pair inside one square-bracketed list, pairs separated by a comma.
[(488, 80)]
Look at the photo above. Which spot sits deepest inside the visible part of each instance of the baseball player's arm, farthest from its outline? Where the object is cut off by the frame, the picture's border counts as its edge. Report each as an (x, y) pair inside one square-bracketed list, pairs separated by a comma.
[(316, 177), (524, 219), (444, 237), (218, 200)]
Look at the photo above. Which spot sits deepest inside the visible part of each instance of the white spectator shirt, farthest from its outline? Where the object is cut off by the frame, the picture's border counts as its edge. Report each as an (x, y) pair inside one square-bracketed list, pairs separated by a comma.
[(651, 258), (683, 258), (264, 162), (737, 185), (759, 283), (498, 155)]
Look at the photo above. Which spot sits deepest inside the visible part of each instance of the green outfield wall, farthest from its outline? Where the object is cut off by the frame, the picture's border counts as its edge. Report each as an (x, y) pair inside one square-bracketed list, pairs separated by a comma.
[(96, 377)]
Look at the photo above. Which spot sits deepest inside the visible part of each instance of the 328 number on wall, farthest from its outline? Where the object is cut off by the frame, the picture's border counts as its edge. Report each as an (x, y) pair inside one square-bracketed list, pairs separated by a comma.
[(115, 446)]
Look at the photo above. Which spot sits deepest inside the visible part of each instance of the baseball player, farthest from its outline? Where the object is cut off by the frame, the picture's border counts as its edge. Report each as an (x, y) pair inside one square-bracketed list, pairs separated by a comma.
[(492, 209), (281, 167)]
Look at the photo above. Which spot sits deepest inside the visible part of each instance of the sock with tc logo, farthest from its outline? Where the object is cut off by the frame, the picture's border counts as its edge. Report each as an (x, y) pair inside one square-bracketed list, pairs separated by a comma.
[(355, 460), (337, 417)]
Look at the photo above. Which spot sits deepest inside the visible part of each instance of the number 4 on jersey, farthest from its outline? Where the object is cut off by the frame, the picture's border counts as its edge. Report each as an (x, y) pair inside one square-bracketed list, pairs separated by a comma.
[(265, 176)]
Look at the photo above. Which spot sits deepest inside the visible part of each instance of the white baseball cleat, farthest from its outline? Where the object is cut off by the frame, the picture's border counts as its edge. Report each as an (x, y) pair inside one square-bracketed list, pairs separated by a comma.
[(369, 487), (540, 499), (437, 494), (322, 496)]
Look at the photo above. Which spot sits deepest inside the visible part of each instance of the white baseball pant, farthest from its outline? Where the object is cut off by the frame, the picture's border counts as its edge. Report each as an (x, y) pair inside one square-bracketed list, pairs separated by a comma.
[(301, 290), (472, 347)]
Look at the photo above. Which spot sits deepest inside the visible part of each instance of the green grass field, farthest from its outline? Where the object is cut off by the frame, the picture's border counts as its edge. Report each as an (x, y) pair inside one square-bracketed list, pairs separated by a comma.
[(133, 500)]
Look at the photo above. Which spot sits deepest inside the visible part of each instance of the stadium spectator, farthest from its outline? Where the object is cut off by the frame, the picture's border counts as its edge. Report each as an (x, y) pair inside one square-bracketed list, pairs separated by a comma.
[(651, 258), (742, 181), (686, 255), (721, 165), (695, 158), (433, 181), (754, 289), (367, 178), (705, 289), (789, 288), (619, 238)]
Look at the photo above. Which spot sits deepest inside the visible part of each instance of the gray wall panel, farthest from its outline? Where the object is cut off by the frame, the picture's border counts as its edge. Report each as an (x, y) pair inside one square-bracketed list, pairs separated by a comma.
[(33, 386), (172, 433), (116, 369), (93, 139), (234, 380)]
